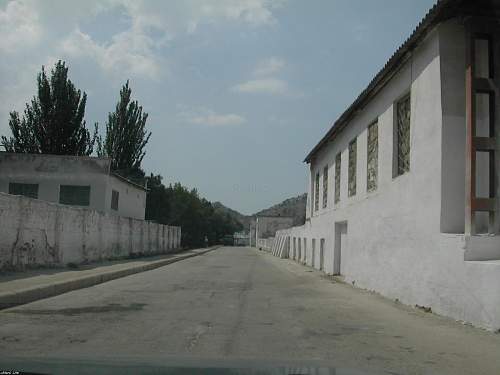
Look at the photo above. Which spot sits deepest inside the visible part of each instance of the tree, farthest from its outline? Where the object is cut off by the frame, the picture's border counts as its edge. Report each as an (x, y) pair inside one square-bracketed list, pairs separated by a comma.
[(126, 135), (158, 201), (53, 123), (177, 205)]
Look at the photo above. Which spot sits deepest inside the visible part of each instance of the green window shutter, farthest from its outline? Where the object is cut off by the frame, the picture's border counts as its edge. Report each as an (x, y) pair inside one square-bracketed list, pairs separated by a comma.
[(114, 199), (74, 195), (325, 186), (403, 135), (338, 159), (352, 168), (372, 157), (27, 190)]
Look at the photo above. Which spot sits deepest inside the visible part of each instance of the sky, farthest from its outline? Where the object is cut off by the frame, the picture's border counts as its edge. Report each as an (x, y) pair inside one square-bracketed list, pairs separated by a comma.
[(237, 91)]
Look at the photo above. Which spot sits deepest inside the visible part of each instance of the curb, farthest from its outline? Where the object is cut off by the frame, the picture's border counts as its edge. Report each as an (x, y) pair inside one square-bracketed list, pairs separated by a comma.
[(24, 296)]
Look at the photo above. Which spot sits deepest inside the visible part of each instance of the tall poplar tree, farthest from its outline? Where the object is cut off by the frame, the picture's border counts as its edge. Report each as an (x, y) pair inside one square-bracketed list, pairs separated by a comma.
[(126, 136), (53, 123)]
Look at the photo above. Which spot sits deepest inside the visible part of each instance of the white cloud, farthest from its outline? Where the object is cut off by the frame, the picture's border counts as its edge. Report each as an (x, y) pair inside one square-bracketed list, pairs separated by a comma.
[(269, 66), (24, 23), (19, 27), (214, 119), (272, 86), (255, 12), (129, 53), (265, 79), (35, 33), (207, 117), (181, 16)]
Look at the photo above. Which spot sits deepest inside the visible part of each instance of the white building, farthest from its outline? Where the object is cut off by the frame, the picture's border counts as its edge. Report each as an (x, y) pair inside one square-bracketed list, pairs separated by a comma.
[(72, 180), (404, 188), (263, 229), (241, 239)]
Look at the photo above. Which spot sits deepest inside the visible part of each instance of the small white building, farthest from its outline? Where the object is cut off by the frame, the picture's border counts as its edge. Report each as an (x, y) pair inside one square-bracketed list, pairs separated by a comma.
[(404, 190), (241, 239), (72, 180), (264, 227)]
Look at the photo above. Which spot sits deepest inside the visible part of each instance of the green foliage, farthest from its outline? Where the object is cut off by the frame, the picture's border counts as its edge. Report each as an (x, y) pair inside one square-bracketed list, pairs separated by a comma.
[(177, 205), (53, 122), (126, 136)]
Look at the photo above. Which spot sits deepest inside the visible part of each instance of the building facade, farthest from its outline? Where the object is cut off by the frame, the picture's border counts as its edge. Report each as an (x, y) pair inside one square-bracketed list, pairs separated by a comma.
[(37, 233), (72, 180), (404, 188), (241, 239), (263, 228)]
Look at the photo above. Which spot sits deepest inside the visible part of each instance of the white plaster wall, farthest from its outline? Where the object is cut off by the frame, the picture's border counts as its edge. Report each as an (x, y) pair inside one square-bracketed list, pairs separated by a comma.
[(39, 233), (131, 200), (266, 226), (394, 240), (265, 243), (400, 205), (51, 171)]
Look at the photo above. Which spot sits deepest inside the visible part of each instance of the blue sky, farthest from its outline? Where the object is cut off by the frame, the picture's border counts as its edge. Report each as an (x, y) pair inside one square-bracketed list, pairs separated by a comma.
[(237, 91)]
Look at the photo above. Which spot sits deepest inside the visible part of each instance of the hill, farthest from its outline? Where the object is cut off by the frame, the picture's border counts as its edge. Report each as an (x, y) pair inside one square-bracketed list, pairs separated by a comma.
[(294, 207), (243, 219)]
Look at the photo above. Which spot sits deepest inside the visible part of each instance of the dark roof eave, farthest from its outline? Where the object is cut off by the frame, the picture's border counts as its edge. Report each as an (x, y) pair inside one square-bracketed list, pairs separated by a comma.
[(124, 179), (435, 15)]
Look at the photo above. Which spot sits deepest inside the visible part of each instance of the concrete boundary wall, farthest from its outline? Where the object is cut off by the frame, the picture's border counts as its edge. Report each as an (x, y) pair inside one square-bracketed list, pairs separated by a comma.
[(265, 243), (39, 233), (467, 291), (280, 246), (398, 240)]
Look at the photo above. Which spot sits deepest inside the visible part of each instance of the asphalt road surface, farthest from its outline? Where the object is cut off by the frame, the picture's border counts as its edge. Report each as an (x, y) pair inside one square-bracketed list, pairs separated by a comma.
[(239, 303)]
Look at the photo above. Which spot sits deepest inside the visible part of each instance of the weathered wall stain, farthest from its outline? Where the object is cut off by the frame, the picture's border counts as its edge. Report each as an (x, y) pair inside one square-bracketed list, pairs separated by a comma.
[(38, 233)]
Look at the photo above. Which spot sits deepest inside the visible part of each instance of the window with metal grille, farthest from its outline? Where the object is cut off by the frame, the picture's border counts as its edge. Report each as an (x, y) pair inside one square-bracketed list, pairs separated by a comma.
[(372, 158), (325, 186), (74, 195), (114, 199), (28, 190), (351, 173), (403, 135), (316, 193), (338, 160)]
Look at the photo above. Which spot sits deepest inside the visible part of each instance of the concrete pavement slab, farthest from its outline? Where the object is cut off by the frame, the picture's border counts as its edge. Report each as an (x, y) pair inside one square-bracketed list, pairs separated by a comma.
[(23, 290)]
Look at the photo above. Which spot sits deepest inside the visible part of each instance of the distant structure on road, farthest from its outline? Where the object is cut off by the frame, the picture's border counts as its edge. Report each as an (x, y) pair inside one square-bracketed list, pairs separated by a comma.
[(72, 180), (292, 207), (241, 239), (265, 227), (404, 189), (58, 209)]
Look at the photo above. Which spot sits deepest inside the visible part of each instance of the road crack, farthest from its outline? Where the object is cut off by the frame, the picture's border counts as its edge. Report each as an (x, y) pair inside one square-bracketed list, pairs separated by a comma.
[(233, 341)]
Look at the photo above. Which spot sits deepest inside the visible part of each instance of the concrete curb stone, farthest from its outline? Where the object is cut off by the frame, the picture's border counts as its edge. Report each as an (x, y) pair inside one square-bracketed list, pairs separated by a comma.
[(23, 296)]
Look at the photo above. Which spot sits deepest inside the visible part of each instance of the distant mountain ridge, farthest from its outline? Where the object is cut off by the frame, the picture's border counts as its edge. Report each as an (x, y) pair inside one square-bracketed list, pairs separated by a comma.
[(293, 207), (243, 219)]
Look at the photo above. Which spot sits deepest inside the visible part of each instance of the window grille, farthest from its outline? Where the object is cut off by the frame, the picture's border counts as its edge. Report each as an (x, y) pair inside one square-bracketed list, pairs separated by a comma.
[(403, 135), (27, 190), (325, 186), (316, 195), (352, 168), (114, 199), (338, 160), (372, 157), (74, 195)]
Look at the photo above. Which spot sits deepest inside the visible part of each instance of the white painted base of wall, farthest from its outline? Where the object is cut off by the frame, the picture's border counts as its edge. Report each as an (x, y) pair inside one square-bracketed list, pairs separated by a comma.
[(467, 291), (39, 233)]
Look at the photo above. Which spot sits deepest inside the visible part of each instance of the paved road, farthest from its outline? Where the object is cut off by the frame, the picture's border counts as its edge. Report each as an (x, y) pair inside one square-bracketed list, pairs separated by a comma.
[(239, 303)]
